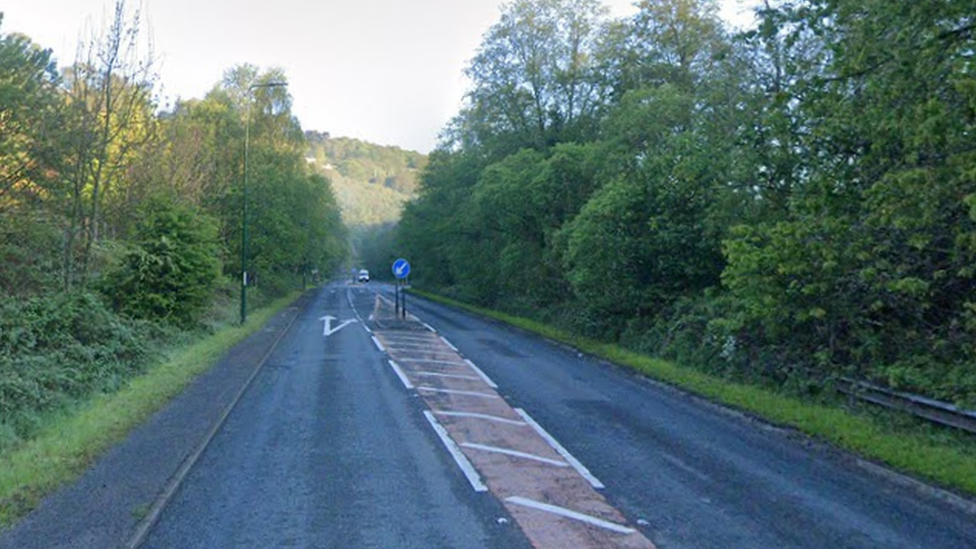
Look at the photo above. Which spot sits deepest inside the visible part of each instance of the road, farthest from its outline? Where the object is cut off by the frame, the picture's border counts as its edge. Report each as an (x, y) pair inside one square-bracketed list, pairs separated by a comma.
[(332, 449), (327, 450), (364, 430)]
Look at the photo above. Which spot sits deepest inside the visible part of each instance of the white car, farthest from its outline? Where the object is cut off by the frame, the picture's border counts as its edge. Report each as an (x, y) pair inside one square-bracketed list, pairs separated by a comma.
[(364, 275)]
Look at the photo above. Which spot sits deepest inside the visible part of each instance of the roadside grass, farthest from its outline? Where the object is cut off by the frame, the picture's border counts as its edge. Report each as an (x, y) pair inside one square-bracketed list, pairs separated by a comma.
[(918, 455), (72, 439)]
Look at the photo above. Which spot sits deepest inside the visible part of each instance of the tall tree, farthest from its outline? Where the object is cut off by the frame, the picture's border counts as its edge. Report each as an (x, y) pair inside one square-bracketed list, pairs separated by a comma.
[(28, 119), (110, 110), (534, 76)]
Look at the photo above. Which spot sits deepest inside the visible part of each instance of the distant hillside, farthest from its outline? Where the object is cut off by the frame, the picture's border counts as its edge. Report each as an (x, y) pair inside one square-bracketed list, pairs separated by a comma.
[(371, 182)]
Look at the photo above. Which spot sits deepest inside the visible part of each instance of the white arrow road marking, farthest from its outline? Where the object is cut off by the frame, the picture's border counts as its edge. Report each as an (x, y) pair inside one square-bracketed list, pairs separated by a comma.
[(327, 328)]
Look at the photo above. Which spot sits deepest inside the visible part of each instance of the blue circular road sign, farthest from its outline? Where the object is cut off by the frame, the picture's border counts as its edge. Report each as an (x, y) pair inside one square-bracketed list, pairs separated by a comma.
[(401, 268)]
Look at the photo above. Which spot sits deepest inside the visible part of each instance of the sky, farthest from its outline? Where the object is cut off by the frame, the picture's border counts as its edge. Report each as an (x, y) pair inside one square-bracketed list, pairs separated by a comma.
[(390, 72)]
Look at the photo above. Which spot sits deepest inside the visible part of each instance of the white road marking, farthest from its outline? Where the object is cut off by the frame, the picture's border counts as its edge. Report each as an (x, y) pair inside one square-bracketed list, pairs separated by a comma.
[(432, 361), (400, 374), (575, 463), (406, 345), (568, 513), (408, 338), (481, 374), (361, 323), (514, 453), (482, 416), (429, 327), (327, 328), (451, 376), (453, 392), (448, 343), (469, 471), (378, 344)]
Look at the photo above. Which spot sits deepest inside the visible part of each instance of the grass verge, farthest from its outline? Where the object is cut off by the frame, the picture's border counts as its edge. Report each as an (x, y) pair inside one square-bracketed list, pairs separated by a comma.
[(911, 453), (70, 442)]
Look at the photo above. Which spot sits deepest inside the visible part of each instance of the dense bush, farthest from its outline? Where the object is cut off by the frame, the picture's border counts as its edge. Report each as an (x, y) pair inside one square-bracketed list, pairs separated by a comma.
[(60, 347), (169, 272), (102, 189), (787, 205), (30, 252)]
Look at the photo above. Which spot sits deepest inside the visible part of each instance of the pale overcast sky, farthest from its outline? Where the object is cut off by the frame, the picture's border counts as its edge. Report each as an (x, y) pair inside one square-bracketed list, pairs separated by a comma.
[(386, 71)]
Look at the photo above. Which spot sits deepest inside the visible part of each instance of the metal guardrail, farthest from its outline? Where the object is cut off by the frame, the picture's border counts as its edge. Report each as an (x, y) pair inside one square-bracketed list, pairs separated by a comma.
[(925, 408)]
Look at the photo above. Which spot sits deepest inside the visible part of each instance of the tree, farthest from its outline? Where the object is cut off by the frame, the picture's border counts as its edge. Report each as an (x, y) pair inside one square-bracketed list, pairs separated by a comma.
[(109, 97), (534, 79), (29, 119), (644, 239), (873, 265), (170, 271), (28, 116), (670, 42)]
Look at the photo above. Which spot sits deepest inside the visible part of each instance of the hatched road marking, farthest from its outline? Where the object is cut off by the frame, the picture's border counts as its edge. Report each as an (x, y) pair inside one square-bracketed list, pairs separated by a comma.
[(513, 453), (481, 416), (469, 471), (457, 392), (569, 513), (549, 493)]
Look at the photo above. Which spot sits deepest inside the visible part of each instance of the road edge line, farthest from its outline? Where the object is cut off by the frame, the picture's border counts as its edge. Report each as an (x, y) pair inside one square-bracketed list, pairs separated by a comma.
[(173, 486)]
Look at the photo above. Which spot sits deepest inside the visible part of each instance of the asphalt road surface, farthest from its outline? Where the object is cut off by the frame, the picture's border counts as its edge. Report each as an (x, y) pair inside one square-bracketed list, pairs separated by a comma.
[(367, 430)]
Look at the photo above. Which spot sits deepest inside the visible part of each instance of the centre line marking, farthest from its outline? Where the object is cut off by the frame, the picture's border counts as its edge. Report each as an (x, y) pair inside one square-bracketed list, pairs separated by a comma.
[(400, 374), (452, 376), (481, 374), (569, 513), (454, 392), (482, 416), (469, 471), (580, 468), (378, 344), (513, 453)]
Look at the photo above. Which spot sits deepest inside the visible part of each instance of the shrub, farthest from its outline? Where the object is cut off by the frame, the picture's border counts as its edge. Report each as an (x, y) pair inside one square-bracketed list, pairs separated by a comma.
[(169, 273), (59, 347)]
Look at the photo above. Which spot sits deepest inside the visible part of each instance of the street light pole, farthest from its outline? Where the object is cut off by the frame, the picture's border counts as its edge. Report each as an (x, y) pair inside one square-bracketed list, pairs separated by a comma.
[(244, 235)]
